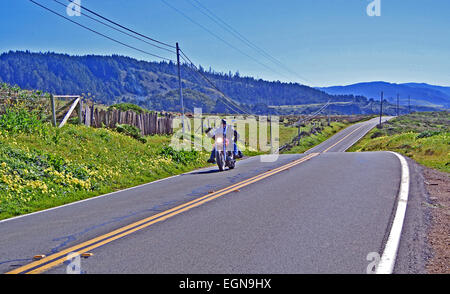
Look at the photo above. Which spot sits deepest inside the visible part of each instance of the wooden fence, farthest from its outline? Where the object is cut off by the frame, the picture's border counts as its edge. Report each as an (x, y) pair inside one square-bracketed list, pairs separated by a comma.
[(148, 123)]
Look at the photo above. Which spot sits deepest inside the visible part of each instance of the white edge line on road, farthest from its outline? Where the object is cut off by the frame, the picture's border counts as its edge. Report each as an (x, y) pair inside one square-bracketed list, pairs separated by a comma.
[(88, 199), (101, 196), (387, 261)]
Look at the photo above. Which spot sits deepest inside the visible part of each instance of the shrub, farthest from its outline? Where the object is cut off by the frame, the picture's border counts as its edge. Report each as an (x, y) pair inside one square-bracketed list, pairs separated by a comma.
[(427, 134), (20, 120), (128, 106), (376, 134), (131, 131), (182, 156)]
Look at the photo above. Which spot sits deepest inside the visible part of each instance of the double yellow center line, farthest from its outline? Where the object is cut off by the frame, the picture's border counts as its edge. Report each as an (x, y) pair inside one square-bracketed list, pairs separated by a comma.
[(326, 150), (56, 259)]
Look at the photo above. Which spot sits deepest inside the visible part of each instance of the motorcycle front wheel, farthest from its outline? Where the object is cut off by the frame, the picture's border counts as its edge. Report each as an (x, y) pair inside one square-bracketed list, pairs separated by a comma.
[(231, 161), (220, 159)]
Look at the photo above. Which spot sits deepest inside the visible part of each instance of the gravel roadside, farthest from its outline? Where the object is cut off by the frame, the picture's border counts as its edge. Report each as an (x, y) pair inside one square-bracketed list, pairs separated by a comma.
[(424, 247), (437, 185)]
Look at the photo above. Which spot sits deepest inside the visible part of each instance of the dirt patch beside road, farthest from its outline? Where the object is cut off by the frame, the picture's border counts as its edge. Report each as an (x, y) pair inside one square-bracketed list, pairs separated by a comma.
[(438, 187)]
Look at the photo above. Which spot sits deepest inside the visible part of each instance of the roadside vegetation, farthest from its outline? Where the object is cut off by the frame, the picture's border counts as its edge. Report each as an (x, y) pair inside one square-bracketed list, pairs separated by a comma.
[(42, 166), (422, 136), (128, 107), (57, 166)]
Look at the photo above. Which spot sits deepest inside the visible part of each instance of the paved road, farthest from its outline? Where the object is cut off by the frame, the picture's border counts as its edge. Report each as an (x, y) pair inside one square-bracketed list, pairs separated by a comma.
[(321, 214)]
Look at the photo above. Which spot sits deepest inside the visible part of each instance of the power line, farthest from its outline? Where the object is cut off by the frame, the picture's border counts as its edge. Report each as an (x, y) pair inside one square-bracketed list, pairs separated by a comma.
[(220, 38), (311, 116), (116, 29), (215, 87), (189, 65), (234, 104), (98, 33), (239, 36), (119, 25), (212, 84), (230, 106)]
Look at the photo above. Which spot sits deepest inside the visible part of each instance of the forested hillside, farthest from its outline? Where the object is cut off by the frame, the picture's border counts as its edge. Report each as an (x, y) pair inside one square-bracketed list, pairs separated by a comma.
[(114, 78), (154, 85)]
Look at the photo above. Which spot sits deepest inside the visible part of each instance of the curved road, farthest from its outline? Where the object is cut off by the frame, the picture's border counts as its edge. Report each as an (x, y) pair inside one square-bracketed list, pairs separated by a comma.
[(318, 212)]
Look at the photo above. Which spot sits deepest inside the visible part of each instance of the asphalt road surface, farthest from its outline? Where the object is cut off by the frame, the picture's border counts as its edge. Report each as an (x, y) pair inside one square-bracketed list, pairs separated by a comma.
[(319, 212)]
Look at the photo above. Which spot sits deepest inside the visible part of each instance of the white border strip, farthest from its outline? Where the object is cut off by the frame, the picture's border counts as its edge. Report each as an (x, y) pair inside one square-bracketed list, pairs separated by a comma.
[(88, 199), (105, 195), (387, 262)]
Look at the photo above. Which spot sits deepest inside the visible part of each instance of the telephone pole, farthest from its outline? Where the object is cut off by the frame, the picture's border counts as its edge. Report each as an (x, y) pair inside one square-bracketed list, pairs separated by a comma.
[(381, 107), (179, 85), (398, 111)]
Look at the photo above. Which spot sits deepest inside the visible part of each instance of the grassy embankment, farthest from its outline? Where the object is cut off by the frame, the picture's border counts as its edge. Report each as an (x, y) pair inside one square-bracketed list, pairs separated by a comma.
[(39, 171), (42, 166), (423, 136)]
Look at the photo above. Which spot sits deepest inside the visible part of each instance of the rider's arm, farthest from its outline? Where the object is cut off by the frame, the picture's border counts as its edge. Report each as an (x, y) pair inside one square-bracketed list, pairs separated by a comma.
[(236, 136), (211, 132)]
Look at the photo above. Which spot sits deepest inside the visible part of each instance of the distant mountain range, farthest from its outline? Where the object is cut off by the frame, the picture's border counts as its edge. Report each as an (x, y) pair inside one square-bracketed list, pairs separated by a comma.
[(420, 93), (154, 85)]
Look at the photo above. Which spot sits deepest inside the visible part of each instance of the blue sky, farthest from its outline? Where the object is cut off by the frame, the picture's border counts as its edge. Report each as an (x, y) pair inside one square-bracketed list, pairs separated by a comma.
[(326, 42)]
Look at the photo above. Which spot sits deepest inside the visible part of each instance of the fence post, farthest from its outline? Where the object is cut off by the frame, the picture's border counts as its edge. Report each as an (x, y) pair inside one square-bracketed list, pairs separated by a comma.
[(92, 114), (80, 112), (52, 101)]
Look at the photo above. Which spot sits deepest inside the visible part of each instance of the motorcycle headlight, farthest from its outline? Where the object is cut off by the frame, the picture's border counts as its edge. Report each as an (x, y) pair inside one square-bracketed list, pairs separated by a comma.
[(219, 140)]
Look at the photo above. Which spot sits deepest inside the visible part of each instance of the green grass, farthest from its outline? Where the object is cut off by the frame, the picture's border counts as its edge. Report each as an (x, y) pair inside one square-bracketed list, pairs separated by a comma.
[(59, 166), (287, 133), (424, 137)]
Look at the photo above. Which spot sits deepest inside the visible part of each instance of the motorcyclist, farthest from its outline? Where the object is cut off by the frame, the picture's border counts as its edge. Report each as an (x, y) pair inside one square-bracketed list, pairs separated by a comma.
[(224, 130)]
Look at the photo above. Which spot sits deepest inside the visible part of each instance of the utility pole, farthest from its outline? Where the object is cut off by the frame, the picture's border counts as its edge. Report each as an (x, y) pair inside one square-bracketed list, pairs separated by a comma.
[(381, 107), (52, 100), (179, 85), (398, 111)]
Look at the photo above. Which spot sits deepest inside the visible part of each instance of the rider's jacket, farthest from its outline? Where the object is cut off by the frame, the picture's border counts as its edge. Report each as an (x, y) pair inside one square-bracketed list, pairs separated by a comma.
[(228, 132)]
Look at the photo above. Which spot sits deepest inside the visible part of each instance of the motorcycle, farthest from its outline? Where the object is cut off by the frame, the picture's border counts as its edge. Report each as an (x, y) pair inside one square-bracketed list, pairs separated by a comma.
[(224, 157)]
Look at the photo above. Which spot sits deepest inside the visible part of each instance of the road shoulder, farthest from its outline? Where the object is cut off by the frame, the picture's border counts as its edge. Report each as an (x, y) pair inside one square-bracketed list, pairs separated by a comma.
[(423, 247), (438, 187)]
